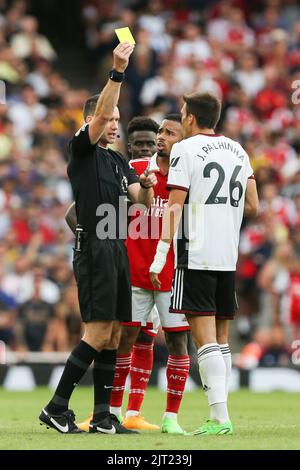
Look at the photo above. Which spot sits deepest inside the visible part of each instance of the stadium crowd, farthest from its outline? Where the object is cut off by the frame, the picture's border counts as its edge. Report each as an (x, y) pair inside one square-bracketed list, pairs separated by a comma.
[(248, 54)]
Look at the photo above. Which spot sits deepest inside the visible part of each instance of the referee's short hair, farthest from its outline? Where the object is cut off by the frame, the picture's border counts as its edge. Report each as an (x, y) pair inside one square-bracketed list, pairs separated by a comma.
[(90, 106), (142, 123), (205, 107)]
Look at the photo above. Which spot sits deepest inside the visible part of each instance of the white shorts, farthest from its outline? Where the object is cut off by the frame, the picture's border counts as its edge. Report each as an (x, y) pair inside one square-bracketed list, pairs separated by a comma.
[(146, 304), (155, 323)]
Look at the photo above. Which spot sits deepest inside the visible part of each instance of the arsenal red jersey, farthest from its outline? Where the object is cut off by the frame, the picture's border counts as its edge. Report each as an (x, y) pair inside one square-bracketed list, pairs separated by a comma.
[(143, 237)]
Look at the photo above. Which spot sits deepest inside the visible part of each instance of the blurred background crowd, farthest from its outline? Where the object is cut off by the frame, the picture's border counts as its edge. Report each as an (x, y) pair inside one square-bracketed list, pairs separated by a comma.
[(247, 53)]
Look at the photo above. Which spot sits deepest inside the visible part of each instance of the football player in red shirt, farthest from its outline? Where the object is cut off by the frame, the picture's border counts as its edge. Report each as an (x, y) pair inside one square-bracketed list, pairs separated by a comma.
[(145, 297), (135, 352)]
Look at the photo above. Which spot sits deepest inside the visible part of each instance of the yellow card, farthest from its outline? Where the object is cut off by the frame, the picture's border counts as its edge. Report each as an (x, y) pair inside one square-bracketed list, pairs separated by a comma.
[(124, 35)]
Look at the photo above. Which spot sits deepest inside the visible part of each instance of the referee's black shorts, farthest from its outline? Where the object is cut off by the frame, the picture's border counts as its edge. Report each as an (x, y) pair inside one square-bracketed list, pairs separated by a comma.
[(204, 293), (102, 274)]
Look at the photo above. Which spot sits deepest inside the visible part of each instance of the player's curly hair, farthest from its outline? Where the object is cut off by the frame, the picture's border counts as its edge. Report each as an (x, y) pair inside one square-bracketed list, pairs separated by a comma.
[(142, 123)]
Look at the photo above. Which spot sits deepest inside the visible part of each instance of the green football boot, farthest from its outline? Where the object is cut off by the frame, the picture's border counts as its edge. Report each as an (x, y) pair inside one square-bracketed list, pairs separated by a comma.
[(212, 428), (170, 426)]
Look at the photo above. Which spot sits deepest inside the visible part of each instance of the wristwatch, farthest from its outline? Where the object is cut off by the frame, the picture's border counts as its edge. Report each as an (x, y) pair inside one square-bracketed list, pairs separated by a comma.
[(116, 76)]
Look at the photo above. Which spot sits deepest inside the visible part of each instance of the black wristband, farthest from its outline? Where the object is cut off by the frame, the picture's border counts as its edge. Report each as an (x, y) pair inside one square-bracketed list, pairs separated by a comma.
[(116, 76)]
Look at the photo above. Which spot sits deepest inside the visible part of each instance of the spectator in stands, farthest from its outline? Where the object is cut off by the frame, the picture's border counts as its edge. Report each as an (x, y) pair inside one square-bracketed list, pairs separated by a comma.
[(268, 349), (153, 20), (29, 44), (143, 66), (7, 319), (69, 313), (36, 319), (274, 279), (248, 75), (26, 113)]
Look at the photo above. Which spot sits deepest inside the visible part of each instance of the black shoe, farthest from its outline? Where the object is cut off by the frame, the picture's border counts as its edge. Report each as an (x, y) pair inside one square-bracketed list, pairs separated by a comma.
[(64, 422), (109, 425), (119, 428)]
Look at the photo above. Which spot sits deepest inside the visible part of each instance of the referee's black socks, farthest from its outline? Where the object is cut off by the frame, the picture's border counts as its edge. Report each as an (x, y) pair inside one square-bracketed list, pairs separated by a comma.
[(77, 364), (103, 375)]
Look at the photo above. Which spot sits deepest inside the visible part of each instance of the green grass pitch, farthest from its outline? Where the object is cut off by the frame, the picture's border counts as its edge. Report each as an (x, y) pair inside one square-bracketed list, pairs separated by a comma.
[(261, 421)]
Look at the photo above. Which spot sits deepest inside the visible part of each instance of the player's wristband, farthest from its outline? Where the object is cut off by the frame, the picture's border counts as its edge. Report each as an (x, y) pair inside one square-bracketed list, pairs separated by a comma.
[(159, 261)]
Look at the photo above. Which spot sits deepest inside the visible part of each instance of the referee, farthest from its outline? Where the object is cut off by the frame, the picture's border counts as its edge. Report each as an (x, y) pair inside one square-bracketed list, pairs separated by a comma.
[(99, 176)]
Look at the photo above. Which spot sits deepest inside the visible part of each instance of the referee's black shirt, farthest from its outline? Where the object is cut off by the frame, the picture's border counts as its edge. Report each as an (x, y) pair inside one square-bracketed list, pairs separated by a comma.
[(98, 176)]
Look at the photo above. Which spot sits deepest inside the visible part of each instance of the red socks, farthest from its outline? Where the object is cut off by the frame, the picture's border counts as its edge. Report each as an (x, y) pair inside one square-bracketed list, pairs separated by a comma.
[(177, 374), (140, 367), (122, 370), (140, 371)]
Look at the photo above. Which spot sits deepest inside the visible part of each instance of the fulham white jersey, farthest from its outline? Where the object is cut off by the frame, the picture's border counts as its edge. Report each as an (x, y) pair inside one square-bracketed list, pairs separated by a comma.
[(214, 170)]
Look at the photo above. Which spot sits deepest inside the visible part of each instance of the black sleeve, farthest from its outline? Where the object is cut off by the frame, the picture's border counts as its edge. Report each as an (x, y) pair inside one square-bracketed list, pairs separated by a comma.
[(132, 176), (80, 145)]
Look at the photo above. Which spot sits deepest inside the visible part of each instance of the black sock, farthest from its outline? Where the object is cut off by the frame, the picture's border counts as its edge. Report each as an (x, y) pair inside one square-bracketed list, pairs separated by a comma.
[(103, 374), (77, 364)]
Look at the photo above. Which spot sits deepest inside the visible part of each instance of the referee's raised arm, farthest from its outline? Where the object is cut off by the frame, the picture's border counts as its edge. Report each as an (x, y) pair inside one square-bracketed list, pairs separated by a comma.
[(109, 96)]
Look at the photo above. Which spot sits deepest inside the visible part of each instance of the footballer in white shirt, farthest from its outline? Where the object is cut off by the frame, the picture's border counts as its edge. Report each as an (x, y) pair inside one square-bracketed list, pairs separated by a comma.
[(212, 186)]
